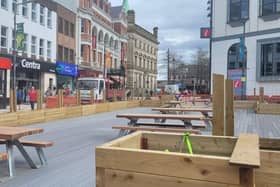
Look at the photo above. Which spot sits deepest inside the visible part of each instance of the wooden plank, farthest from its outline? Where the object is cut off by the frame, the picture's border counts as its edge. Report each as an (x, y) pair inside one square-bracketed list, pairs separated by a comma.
[(229, 108), (36, 143), (205, 145), (261, 98), (175, 130), (163, 116), (271, 144), (17, 132), (268, 175), (218, 105), (190, 109), (117, 178), (246, 151), (197, 167), (100, 177)]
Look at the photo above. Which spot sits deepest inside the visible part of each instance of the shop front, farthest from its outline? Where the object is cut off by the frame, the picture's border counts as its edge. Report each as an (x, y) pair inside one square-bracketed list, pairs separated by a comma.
[(66, 75), (5, 66), (32, 73)]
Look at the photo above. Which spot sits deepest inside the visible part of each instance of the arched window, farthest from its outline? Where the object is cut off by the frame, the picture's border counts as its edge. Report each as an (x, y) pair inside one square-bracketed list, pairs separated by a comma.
[(106, 39), (234, 61), (111, 42), (100, 36)]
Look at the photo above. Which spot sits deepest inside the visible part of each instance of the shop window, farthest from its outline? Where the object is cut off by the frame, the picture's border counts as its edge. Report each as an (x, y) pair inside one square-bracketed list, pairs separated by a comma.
[(4, 37), (41, 49), (269, 7), (2, 83), (49, 49), (49, 21), (239, 10), (270, 59), (42, 15), (34, 12), (60, 25), (24, 8), (4, 4), (14, 6), (33, 45), (60, 53), (66, 27)]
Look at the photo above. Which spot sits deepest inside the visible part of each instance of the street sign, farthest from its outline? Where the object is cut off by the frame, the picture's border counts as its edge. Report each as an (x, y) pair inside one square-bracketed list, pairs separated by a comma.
[(205, 32)]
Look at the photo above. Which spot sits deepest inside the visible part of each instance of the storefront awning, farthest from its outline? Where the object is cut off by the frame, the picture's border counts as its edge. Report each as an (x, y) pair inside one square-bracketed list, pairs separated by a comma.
[(5, 63)]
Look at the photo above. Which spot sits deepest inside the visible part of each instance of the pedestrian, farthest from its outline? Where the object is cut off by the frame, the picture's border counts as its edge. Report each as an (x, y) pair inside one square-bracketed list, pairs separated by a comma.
[(32, 97), (19, 96)]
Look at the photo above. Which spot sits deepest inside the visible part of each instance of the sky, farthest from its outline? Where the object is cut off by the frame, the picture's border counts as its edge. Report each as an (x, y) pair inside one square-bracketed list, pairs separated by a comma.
[(179, 23)]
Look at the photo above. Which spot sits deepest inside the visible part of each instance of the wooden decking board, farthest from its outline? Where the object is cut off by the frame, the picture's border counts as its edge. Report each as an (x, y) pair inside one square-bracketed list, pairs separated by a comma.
[(246, 151)]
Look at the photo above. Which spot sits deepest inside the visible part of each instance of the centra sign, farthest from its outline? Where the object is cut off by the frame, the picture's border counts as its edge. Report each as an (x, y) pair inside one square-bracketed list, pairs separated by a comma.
[(30, 65)]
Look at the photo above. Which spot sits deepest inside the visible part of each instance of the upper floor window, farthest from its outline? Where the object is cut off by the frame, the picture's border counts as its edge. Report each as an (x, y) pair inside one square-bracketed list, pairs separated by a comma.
[(41, 47), (239, 10), (33, 45), (60, 25), (101, 4), (42, 15), (4, 4), (83, 26), (49, 19), (24, 8), (269, 7), (95, 2), (34, 12), (4, 36), (72, 30), (14, 6)]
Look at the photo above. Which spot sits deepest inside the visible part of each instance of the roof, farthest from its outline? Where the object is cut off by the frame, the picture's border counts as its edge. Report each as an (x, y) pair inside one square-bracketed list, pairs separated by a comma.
[(116, 11)]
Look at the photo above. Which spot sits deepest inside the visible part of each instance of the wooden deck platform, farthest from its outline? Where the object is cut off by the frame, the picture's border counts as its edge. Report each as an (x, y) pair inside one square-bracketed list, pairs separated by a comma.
[(71, 161)]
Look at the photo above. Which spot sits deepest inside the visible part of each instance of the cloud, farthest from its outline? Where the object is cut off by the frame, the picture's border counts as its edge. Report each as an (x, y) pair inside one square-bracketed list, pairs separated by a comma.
[(179, 23)]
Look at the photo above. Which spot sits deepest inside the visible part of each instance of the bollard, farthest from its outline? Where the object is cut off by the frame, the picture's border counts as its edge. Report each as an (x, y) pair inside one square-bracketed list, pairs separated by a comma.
[(78, 95)]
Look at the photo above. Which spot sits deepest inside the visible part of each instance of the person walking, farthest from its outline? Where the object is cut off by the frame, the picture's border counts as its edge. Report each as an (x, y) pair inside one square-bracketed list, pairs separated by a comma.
[(32, 97), (19, 98)]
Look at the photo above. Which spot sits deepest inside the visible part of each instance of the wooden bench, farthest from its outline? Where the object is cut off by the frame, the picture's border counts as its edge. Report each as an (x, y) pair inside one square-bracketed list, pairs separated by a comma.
[(124, 130), (165, 106), (38, 145)]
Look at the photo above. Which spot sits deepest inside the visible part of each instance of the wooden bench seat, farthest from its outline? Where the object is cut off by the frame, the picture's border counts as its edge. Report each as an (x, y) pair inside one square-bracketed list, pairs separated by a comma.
[(173, 130), (170, 125), (35, 143), (3, 156), (165, 106), (38, 145)]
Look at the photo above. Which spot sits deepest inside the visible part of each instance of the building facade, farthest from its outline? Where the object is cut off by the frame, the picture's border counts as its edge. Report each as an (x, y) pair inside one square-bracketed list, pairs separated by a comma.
[(66, 68), (142, 58), (35, 64), (101, 39), (257, 21)]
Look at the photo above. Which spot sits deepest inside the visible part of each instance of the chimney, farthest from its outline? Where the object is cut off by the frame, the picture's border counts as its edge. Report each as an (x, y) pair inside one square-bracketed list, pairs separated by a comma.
[(131, 16), (156, 32)]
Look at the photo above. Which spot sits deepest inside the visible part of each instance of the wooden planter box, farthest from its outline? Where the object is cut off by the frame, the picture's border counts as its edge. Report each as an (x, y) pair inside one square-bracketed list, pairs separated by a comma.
[(140, 160)]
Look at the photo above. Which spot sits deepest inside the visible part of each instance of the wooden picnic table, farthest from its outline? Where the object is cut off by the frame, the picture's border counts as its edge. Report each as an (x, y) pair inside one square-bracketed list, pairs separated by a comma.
[(204, 111), (11, 136), (174, 103), (161, 118)]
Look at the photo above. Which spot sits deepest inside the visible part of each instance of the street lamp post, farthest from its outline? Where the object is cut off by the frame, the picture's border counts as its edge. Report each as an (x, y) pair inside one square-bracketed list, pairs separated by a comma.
[(104, 67), (243, 61)]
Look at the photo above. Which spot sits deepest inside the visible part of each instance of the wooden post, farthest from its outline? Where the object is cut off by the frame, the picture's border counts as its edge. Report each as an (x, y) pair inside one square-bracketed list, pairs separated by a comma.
[(78, 95), (12, 99), (229, 108), (104, 96), (39, 100), (15, 100), (92, 96), (218, 105), (261, 97), (114, 95), (60, 98)]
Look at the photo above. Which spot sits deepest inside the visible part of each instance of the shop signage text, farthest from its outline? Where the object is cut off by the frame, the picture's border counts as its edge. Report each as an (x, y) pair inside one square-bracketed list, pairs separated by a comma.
[(30, 65)]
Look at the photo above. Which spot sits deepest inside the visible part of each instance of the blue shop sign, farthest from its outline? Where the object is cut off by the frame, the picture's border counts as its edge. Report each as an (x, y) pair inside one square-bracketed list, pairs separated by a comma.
[(66, 69)]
